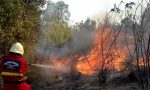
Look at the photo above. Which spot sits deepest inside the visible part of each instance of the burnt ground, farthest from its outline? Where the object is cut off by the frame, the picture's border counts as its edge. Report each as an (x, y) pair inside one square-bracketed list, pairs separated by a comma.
[(91, 85), (81, 83), (76, 81)]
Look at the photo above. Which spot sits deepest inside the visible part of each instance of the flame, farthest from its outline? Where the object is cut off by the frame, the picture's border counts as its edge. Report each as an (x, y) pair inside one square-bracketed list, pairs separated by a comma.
[(104, 53), (101, 54)]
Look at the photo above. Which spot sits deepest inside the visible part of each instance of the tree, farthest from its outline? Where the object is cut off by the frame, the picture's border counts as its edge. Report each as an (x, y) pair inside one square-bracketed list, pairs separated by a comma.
[(137, 40), (19, 21), (55, 29), (87, 25)]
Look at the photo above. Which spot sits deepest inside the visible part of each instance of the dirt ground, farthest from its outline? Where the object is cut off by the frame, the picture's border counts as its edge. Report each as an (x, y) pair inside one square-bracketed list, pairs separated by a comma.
[(83, 83)]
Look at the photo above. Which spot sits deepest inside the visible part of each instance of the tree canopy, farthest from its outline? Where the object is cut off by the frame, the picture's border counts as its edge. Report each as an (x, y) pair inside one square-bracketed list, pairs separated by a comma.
[(54, 26), (19, 21)]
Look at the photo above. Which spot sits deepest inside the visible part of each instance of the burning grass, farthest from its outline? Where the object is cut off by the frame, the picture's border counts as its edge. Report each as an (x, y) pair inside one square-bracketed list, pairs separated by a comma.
[(102, 54), (76, 70)]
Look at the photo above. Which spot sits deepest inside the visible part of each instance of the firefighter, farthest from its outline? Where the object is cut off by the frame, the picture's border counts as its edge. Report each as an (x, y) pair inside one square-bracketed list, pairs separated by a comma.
[(13, 68)]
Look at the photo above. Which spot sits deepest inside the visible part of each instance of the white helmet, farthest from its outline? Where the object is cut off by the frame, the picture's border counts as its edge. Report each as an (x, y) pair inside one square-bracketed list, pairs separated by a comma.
[(17, 48)]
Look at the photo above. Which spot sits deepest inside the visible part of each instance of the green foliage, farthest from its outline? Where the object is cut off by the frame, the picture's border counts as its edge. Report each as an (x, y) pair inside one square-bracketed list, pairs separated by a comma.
[(19, 21), (89, 25), (56, 30), (57, 35)]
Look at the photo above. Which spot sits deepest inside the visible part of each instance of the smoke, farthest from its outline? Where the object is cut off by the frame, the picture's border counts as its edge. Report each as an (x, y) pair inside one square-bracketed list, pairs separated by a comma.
[(81, 40)]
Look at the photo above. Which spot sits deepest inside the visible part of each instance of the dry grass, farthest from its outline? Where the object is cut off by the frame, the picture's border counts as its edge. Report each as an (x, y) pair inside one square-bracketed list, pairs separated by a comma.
[(52, 81)]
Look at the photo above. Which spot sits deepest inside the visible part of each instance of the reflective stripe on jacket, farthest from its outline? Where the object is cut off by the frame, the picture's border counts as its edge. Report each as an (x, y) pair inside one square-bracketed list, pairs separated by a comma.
[(11, 74), (13, 68)]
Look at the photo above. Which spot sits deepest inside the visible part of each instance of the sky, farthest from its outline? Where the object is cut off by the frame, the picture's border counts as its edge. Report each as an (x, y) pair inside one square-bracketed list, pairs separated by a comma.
[(82, 9)]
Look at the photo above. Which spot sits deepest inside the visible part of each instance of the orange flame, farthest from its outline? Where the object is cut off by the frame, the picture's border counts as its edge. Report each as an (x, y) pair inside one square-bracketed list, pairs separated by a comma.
[(101, 54)]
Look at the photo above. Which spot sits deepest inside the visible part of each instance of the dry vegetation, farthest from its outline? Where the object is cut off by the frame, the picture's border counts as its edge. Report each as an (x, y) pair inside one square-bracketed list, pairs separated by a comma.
[(113, 56)]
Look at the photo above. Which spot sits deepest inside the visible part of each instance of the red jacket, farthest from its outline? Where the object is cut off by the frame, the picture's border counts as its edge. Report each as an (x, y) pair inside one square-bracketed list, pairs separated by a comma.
[(13, 67)]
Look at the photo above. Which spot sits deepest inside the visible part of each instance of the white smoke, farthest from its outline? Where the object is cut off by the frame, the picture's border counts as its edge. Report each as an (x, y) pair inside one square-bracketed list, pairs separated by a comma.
[(80, 40)]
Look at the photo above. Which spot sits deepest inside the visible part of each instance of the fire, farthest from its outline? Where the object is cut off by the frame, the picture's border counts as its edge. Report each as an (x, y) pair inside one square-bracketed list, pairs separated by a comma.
[(101, 54)]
